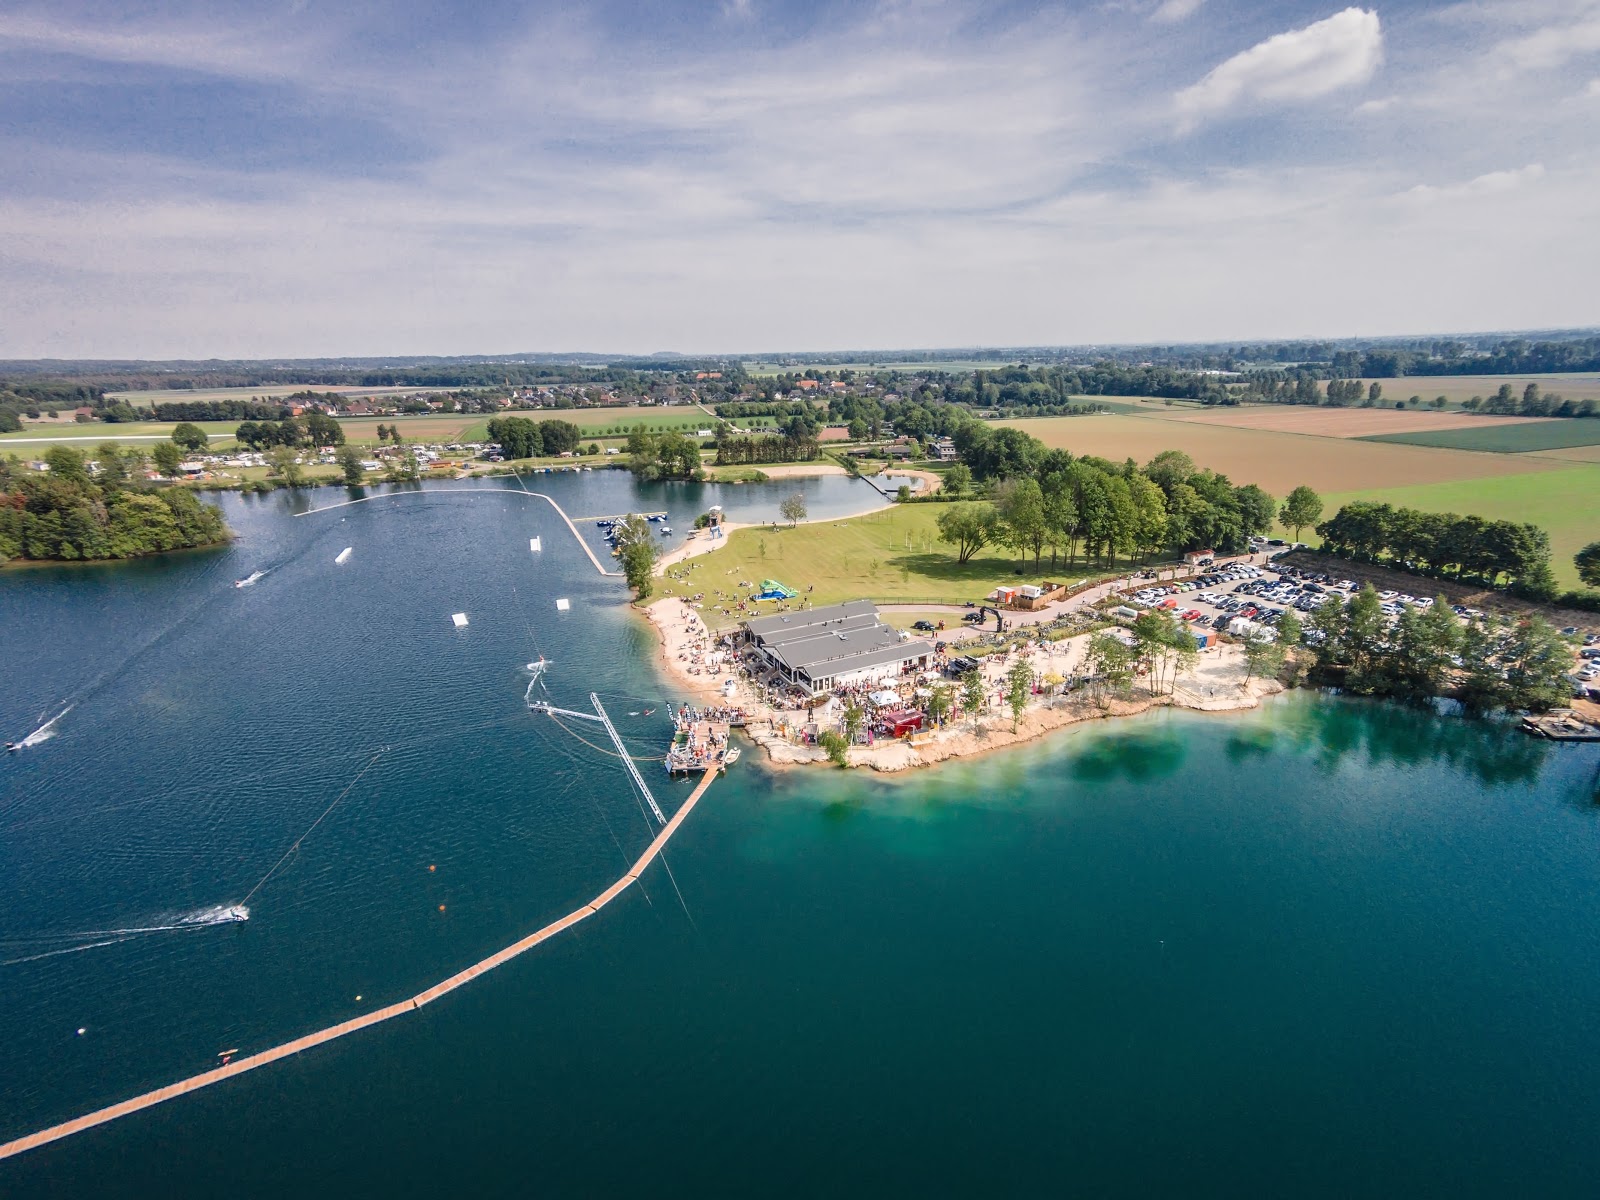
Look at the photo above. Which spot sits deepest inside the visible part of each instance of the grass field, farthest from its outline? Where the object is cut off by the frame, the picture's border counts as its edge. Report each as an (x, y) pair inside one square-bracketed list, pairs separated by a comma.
[(1499, 437), (1276, 461), (893, 555), (1573, 385), (88, 433), (1561, 502)]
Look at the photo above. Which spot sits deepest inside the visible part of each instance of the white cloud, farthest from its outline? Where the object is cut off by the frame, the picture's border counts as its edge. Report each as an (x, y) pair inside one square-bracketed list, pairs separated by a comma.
[(1554, 45), (1339, 52), (1490, 184), (1173, 11)]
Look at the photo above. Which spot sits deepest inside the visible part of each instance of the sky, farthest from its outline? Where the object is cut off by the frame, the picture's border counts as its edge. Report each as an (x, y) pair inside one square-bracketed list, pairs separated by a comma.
[(291, 179)]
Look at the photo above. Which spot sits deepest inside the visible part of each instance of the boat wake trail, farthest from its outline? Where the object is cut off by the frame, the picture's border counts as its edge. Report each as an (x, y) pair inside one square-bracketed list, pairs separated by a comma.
[(47, 945), (44, 733), (249, 579)]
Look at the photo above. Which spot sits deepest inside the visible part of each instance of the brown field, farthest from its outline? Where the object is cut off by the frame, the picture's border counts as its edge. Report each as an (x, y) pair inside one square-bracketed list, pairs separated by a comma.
[(1574, 385), (1276, 461), (1567, 454), (454, 428), (1341, 422)]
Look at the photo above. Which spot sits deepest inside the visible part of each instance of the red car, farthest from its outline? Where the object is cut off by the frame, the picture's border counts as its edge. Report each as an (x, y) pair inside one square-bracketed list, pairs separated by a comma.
[(1169, 602), (1192, 614)]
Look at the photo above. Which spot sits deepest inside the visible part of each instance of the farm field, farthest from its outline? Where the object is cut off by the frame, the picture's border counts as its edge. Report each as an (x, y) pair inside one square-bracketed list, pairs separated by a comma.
[(1498, 437), (178, 395), (1278, 462), (1569, 454), (1560, 502), (1373, 423), (893, 555), (1574, 385), (89, 433)]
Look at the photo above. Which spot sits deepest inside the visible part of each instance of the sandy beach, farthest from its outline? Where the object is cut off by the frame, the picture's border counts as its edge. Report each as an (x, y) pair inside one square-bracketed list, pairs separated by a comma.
[(1217, 684)]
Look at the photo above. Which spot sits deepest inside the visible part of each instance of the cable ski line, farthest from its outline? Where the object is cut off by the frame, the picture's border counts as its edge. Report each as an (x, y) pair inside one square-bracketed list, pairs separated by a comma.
[(296, 844), (321, 1036), (444, 491)]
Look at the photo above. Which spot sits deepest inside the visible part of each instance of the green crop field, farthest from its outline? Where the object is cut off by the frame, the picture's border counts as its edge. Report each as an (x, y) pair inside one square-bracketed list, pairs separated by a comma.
[(88, 433), (893, 555), (1499, 438), (1562, 502)]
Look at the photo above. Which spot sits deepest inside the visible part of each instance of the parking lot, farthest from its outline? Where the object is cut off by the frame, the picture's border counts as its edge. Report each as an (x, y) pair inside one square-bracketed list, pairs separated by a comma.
[(1244, 599)]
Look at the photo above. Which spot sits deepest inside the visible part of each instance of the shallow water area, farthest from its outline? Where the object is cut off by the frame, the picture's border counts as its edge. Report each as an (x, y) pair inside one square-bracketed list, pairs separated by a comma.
[(1326, 947)]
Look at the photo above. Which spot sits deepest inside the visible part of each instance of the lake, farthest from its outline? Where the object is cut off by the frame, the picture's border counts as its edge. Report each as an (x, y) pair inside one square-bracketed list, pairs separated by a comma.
[(1326, 948)]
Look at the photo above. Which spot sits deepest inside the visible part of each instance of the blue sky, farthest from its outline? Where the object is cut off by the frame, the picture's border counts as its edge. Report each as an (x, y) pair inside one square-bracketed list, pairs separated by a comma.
[(289, 179)]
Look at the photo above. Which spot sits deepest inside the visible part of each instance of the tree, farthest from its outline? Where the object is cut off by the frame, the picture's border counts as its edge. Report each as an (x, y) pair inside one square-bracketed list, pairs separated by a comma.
[(323, 430), (1019, 504), (1301, 507), (834, 745), (855, 720), (1289, 631), (114, 467), (1263, 656), (957, 479), (350, 464), (638, 553), (69, 465), (972, 695), (793, 508), (284, 463), (968, 527), (1019, 686), (404, 469), (168, 457), (1536, 660), (1587, 561), (940, 701), (1110, 660), (1256, 510), (518, 437), (383, 432), (190, 437)]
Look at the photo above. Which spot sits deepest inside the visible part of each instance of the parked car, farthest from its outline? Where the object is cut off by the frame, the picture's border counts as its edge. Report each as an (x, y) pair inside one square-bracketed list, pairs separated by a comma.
[(922, 626)]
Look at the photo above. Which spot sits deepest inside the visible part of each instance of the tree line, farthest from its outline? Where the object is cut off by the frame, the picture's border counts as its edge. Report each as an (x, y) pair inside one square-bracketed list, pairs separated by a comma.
[(313, 429), (1444, 545), (520, 437), (1046, 498), (70, 515)]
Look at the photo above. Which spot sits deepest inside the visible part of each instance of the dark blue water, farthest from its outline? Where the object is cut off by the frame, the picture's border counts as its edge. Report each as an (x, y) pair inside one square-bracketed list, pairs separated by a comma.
[(1328, 948)]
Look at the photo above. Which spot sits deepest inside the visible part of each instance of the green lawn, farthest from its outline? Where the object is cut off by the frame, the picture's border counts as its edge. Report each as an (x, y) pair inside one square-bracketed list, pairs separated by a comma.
[(1565, 503), (1500, 438), (891, 556)]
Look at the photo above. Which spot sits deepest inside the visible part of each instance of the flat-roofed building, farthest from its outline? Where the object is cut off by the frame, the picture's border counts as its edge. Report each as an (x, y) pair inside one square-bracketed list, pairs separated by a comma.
[(840, 645)]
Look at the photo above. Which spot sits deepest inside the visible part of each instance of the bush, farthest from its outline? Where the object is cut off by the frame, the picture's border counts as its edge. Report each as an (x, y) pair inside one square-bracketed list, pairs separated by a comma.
[(838, 749)]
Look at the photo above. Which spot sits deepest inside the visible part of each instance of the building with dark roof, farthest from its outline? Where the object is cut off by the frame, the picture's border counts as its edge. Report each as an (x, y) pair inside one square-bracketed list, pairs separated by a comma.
[(840, 645)]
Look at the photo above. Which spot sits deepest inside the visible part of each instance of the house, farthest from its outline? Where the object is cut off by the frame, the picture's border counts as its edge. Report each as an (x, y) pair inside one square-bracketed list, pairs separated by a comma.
[(806, 385), (840, 645), (945, 450)]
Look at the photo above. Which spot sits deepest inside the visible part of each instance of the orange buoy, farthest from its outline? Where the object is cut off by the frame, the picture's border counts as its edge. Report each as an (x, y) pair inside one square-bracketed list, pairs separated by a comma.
[(441, 908), (431, 867)]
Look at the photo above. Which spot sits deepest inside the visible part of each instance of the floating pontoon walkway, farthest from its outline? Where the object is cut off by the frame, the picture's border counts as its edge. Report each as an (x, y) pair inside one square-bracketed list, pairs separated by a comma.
[(206, 1078)]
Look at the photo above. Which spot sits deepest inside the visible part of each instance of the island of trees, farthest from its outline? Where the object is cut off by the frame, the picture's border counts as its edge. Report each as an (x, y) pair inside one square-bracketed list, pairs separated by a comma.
[(67, 514)]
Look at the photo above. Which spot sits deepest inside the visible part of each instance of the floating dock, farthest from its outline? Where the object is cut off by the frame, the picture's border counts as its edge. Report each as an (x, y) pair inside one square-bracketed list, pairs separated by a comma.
[(260, 1059)]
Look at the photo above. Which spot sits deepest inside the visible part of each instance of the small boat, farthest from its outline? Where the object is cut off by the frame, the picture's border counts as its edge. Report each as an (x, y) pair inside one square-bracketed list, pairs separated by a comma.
[(730, 757), (12, 747)]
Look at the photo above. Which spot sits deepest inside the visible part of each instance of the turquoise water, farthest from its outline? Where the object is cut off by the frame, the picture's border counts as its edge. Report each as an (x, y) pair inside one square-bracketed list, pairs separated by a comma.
[(1327, 948)]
